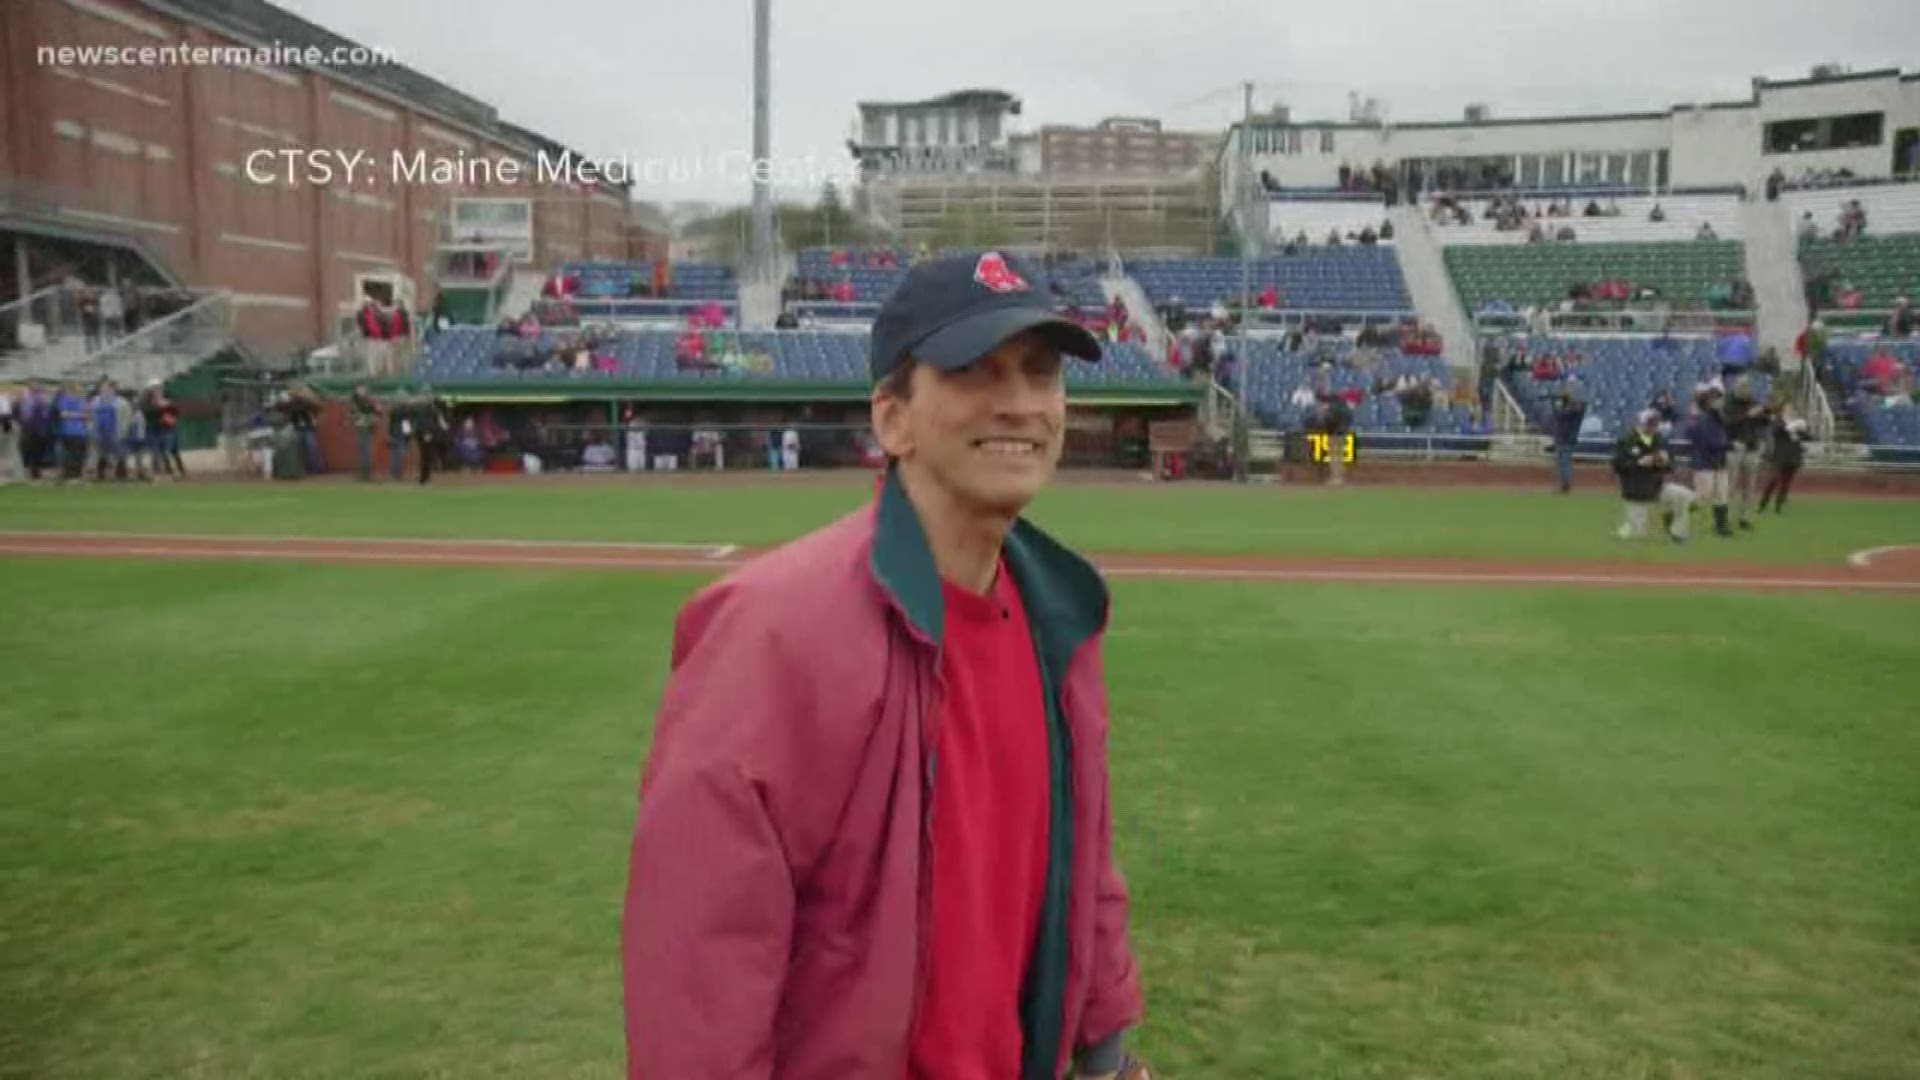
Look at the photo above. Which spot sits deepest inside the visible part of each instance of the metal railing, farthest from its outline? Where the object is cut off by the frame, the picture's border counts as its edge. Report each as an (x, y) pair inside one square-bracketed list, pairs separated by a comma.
[(451, 271), (1821, 421), (502, 440), (1508, 417), (1219, 409), (644, 307), (1283, 318), (42, 320), (1648, 321), (164, 348)]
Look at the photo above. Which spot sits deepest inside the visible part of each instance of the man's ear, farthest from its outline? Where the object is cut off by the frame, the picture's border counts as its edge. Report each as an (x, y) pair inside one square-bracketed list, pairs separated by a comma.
[(890, 423)]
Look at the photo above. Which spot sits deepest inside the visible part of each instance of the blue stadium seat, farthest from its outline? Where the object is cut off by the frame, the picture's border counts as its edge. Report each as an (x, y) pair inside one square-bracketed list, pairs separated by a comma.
[(467, 353)]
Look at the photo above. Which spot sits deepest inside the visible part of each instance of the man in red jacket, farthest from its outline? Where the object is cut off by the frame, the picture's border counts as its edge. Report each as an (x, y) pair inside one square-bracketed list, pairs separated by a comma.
[(874, 839)]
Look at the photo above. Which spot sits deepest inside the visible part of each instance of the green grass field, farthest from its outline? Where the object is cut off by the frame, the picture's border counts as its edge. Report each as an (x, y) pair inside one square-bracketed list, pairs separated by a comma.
[(282, 820), (1202, 518)]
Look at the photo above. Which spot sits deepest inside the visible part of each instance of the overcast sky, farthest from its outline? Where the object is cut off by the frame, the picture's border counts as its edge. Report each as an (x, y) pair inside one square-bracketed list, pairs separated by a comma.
[(653, 79)]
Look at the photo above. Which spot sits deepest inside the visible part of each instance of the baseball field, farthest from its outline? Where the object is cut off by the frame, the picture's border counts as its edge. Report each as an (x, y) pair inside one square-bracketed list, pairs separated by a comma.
[(336, 781)]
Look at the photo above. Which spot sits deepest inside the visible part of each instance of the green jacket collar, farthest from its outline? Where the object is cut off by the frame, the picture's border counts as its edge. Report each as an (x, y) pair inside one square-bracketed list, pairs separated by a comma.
[(1067, 602)]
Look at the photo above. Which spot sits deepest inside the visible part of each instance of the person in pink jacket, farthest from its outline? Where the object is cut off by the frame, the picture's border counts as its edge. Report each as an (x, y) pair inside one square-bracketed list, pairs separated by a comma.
[(875, 834)]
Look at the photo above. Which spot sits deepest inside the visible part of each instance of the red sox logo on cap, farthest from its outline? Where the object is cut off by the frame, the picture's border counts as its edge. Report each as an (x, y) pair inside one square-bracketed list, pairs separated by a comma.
[(993, 272)]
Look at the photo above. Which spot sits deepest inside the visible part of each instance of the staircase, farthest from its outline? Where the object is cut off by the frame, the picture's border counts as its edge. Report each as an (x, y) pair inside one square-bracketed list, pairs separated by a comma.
[(759, 303), (523, 292), (165, 348), (1140, 310), (1773, 268), (1434, 297)]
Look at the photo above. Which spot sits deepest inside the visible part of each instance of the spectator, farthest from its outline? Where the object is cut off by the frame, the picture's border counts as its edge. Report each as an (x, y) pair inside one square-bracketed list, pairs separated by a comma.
[(113, 315), (1569, 411), (1386, 230), (1707, 436), (690, 350), (1900, 320), (1812, 346), (9, 440), (1566, 234), (1333, 238), (1809, 232), (130, 304), (1785, 453), (1663, 407), (1368, 237), (1706, 232), (1775, 181), (72, 425), (366, 417), (1593, 209), (1416, 402), (467, 446), (1883, 372)]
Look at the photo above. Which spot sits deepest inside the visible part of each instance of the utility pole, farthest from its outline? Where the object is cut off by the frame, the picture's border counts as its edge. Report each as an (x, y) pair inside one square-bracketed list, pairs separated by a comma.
[(1241, 371), (760, 257), (1245, 200)]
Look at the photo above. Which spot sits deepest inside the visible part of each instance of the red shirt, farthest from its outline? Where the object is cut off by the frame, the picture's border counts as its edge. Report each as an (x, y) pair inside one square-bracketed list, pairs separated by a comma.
[(990, 807)]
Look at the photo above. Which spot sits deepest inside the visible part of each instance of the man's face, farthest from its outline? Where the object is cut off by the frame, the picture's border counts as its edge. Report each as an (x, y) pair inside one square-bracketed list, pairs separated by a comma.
[(989, 434)]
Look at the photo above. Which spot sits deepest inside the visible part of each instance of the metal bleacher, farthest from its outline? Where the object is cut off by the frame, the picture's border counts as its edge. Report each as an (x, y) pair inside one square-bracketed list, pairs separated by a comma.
[(478, 354), (1683, 271), (1345, 278)]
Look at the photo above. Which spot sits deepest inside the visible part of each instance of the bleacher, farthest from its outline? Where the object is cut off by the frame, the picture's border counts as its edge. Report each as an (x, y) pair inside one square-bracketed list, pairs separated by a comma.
[(673, 311), (1541, 273), (1288, 218), (1619, 376), (1274, 374), (1883, 268), (1346, 278), (1892, 209), (1883, 424), (463, 354), (691, 280), (871, 284), (1077, 280), (1684, 216)]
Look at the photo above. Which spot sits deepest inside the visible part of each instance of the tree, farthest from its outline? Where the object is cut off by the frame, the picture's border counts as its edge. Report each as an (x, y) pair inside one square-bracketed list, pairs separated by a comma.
[(970, 227), (834, 220)]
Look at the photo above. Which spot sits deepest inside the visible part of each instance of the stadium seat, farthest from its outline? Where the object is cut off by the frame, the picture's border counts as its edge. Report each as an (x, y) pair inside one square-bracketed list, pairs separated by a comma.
[(1618, 377), (469, 353), (1346, 278), (1541, 273)]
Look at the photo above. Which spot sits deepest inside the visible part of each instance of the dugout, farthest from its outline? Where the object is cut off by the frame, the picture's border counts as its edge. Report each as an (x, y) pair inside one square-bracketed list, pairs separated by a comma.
[(561, 424)]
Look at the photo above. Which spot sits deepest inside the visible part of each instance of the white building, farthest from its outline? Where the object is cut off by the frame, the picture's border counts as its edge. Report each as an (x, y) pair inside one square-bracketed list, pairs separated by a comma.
[(1867, 123), (967, 132)]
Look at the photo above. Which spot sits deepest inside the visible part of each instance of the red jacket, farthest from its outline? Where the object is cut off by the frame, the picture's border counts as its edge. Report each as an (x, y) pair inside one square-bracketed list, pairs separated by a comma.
[(778, 885)]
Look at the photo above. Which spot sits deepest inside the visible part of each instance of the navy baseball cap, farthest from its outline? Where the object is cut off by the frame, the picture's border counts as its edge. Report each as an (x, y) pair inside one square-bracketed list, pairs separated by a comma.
[(951, 311)]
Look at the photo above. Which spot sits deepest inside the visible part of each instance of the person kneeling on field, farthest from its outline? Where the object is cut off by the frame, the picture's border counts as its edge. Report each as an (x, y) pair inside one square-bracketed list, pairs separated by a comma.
[(1642, 460)]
